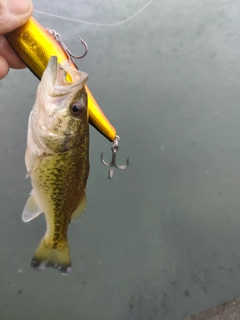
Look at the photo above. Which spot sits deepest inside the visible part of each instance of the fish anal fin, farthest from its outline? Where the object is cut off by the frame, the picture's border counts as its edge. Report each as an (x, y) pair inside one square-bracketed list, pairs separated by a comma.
[(48, 257), (31, 209), (80, 209)]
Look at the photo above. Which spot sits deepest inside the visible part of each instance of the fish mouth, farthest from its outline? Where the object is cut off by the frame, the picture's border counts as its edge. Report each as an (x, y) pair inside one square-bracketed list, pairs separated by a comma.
[(54, 78), (54, 73), (50, 74), (53, 68)]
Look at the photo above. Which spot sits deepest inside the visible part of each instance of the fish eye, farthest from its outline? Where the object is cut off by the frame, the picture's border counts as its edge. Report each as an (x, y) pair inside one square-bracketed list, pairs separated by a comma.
[(77, 109)]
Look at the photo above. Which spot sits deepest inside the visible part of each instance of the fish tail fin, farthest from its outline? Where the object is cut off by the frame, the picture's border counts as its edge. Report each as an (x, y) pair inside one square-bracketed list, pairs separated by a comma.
[(46, 256)]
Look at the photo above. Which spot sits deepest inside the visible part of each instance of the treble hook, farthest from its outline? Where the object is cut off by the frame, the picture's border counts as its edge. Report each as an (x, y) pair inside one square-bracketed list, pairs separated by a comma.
[(113, 164), (70, 55)]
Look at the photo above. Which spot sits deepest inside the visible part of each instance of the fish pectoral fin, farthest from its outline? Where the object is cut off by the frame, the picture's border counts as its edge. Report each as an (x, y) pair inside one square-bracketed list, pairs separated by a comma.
[(31, 209), (80, 209), (34, 163)]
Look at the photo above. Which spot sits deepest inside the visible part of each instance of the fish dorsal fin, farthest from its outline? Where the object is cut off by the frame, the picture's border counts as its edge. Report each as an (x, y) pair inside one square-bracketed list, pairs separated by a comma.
[(31, 209), (80, 209)]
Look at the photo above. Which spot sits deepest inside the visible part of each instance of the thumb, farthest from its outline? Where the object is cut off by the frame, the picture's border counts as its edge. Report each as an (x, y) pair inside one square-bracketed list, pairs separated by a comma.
[(14, 13)]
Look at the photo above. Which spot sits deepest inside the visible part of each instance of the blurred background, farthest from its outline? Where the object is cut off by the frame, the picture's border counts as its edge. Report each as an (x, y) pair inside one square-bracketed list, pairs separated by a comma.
[(161, 239)]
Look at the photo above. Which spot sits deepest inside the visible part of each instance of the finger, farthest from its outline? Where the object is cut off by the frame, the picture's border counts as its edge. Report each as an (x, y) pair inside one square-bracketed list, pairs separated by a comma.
[(14, 13), (4, 68), (10, 56)]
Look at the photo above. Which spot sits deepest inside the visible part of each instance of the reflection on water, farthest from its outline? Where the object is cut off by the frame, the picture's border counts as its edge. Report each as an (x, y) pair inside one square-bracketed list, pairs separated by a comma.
[(161, 239)]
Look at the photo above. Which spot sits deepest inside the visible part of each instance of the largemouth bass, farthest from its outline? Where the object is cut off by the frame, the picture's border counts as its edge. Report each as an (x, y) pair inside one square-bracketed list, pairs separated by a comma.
[(57, 160)]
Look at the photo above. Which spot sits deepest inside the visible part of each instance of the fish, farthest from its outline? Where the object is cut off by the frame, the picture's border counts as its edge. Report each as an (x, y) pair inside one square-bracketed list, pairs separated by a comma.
[(34, 45), (57, 160)]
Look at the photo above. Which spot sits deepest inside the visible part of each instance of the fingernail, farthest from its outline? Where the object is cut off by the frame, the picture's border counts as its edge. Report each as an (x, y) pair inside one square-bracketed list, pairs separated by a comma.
[(17, 6)]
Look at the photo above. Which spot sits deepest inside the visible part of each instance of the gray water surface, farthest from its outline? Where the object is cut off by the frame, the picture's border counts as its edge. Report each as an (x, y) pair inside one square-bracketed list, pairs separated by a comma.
[(160, 240)]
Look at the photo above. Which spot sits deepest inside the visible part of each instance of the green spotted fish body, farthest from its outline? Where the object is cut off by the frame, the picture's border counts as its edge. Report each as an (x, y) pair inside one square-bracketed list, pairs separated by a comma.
[(57, 160)]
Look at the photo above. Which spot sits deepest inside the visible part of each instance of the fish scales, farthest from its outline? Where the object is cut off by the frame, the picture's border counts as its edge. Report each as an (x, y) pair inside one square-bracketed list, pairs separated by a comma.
[(62, 184)]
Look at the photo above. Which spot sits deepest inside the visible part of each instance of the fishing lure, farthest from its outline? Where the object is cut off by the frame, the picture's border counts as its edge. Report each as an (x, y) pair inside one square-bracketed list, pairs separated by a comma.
[(35, 45)]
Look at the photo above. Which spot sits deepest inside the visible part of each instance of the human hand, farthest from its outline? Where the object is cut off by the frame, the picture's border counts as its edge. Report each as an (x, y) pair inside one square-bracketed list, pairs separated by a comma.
[(13, 14)]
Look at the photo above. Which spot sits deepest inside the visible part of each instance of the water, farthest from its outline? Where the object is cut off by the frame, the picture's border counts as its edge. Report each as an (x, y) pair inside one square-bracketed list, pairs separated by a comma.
[(161, 240)]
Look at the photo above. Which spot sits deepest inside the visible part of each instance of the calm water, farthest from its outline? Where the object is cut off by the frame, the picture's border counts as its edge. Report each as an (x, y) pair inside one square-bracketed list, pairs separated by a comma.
[(161, 240)]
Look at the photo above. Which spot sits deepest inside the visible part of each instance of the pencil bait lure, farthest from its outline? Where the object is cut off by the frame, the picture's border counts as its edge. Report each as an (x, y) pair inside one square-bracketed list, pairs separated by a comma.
[(35, 45)]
